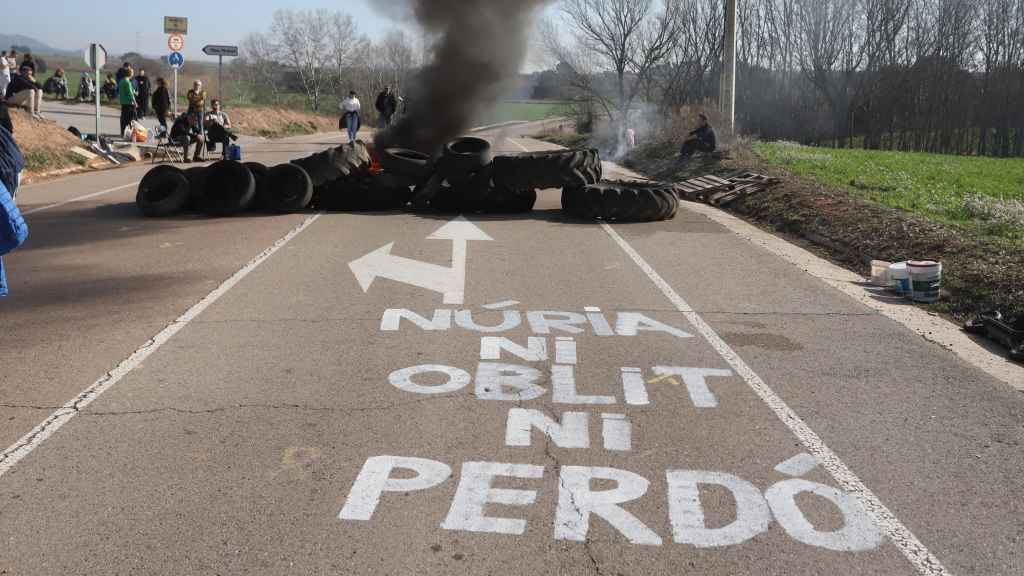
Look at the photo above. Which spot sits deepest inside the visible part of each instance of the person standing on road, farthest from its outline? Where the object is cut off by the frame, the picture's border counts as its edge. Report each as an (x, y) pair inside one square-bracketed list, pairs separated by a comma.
[(161, 102), (196, 98), (700, 140), (13, 230), (143, 89), (126, 96), (386, 106), (350, 121), (24, 91)]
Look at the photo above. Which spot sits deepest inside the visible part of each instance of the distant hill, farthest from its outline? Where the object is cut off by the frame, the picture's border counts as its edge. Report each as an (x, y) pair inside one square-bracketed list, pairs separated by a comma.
[(36, 46)]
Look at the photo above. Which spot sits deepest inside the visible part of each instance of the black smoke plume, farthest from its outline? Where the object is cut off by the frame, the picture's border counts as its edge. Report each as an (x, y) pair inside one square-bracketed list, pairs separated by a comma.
[(480, 44)]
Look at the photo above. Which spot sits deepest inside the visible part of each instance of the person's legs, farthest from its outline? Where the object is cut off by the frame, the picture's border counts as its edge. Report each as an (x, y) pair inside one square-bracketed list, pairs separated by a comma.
[(161, 117), (38, 103), (126, 117), (689, 149), (353, 127), (705, 147), (199, 148), (25, 99)]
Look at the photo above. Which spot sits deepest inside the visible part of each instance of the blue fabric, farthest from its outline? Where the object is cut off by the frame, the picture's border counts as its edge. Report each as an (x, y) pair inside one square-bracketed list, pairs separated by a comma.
[(13, 231), (11, 162)]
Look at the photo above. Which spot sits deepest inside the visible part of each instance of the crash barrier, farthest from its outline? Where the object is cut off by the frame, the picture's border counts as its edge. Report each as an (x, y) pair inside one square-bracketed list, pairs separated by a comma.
[(464, 178)]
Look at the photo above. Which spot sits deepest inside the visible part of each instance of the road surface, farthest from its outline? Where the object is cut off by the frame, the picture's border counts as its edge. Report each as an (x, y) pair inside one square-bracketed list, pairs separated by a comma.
[(398, 393)]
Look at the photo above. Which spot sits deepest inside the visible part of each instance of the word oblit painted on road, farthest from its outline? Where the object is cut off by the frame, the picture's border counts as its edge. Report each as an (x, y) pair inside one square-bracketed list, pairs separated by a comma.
[(543, 365)]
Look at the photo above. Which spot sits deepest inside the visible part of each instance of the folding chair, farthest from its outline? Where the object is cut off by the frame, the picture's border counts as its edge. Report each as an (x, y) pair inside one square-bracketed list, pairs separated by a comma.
[(172, 151)]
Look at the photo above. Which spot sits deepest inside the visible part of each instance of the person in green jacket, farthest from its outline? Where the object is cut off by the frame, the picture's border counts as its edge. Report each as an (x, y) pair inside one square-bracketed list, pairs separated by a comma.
[(126, 96)]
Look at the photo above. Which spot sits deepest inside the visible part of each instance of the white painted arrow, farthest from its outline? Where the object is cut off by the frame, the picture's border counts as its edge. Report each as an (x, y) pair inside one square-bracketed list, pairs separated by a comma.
[(451, 282)]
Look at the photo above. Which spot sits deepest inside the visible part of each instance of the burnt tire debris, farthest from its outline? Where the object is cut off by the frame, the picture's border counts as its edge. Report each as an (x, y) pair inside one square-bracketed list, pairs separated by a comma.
[(463, 178)]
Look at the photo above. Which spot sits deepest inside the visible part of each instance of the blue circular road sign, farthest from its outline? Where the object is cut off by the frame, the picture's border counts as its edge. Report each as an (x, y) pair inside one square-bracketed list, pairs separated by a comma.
[(176, 60)]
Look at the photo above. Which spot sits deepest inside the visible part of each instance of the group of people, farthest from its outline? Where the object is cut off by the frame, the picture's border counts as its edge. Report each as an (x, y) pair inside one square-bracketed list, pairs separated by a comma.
[(197, 125), (19, 83), (386, 105)]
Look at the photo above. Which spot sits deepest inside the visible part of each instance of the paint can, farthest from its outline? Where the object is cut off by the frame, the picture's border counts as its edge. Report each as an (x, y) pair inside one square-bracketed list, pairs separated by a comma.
[(235, 152), (925, 280), (900, 276), (880, 273)]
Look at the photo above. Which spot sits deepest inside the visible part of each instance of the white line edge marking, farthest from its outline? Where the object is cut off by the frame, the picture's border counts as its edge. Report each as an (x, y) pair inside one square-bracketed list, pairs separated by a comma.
[(919, 556), (79, 198), (29, 442)]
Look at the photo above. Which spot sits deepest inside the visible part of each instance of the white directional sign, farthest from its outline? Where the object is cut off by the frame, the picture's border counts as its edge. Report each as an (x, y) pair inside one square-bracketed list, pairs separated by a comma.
[(217, 50), (451, 282)]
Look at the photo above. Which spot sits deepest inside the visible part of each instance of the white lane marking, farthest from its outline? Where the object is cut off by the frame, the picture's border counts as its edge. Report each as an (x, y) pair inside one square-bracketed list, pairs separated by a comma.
[(451, 282), (29, 442), (521, 147), (798, 465), (919, 556), (79, 198)]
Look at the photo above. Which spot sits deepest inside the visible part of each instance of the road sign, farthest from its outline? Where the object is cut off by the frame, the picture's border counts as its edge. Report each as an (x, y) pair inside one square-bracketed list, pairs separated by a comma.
[(175, 25), (176, 60), (215, 50), (176, 42), (96, 56)]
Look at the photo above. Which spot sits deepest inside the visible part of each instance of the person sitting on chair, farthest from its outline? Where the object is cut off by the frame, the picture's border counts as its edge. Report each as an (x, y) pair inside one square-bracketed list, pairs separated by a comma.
[(701, 140), (185, 131), (218, 127)]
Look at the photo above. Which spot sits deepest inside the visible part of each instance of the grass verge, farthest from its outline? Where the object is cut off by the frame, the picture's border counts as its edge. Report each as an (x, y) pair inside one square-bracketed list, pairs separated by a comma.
[(851, 226)]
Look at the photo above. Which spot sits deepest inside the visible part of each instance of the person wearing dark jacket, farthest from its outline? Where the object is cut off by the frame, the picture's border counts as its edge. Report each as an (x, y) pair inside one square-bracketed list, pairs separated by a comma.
[(185, 131), (701, 140), (386, 106), (25, 91), (5, 118), (29, 62), (13, 229), (161, 102), (143, 90)]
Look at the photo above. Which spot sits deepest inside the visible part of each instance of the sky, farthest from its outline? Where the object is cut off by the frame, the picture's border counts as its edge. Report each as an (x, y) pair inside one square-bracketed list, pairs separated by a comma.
[(126, 27)]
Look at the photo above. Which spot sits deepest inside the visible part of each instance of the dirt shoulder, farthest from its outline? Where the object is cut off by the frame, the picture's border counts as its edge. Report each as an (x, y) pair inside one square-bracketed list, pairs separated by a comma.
[(980, 273), (279, 123), (46, 147)]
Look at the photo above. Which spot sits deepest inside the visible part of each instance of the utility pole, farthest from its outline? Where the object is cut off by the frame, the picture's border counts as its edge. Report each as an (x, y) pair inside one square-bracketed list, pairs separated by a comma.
[(727, 94)]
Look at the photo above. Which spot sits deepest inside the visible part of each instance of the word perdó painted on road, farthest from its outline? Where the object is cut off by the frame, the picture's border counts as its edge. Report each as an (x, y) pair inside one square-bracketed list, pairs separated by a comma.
[(543, 365)]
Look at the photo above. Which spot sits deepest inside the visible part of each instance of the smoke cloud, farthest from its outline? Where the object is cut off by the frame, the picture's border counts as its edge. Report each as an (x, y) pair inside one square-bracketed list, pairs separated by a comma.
[(480, 44)]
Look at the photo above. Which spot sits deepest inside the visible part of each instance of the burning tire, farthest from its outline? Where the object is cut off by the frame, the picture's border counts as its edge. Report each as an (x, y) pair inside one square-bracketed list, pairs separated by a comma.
[(552, 169), (330, 165), (290, 188), (407, 163), (228, 188), (621, 202), (164, 191)]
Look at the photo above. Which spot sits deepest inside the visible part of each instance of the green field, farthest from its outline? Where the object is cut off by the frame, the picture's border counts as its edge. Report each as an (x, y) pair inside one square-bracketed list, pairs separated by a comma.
[(527, 111), (982, 193)]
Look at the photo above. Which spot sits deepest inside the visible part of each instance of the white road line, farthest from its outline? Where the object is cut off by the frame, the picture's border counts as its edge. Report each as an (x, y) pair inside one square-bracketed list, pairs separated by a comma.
[(79, 198), (29, 442), (923, 560)]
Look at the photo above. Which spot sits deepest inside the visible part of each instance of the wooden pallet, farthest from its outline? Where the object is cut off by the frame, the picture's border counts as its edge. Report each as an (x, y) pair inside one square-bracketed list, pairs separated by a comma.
[(720, 192)]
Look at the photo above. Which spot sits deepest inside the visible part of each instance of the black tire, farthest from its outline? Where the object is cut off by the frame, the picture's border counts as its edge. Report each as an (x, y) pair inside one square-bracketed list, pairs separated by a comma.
[(228, 188), (362, 194), (261, 199), (290, 188), (424, 194), (504, 201), (466, 155), (196, 176), (319, 168), (552, 169), (351, 160), (621, 202), (164, 191), (408, 163)]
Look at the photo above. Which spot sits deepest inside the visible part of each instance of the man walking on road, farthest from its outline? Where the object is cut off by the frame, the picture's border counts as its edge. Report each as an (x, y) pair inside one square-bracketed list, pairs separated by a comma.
[(386, 106), (126, 96)]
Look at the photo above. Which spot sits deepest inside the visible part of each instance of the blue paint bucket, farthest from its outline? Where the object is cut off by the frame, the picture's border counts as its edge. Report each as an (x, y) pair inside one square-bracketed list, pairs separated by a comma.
[(235, 153)]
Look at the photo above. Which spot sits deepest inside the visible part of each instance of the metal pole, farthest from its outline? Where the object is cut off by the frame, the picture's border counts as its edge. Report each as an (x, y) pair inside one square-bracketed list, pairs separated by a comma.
[(96, 64), (220, 78), (175, 91), (728, 91)]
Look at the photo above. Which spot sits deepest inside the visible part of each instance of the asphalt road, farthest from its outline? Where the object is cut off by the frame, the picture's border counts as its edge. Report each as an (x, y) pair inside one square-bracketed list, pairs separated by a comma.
[(398, 394)]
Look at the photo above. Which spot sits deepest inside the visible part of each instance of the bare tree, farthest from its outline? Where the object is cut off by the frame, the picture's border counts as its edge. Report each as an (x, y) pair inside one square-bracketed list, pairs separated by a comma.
[(305, 42), (260, 64)]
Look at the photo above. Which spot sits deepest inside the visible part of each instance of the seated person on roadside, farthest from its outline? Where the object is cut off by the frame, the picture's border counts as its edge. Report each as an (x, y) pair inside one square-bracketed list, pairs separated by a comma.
[(218, 127), (25, 91), (57, 85), (185, 131), (109, 88), (700, 140)]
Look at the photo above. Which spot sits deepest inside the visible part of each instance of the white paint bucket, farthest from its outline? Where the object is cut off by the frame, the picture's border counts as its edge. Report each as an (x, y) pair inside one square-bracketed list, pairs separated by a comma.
[(925, 280), (900, 275), (880, 273)]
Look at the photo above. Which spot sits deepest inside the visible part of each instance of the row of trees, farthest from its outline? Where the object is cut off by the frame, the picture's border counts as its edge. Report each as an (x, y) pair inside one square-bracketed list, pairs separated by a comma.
[(927, 75), (322, 54)]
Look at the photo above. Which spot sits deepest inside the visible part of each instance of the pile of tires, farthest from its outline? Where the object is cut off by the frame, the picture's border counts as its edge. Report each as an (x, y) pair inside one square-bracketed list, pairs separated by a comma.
[(621, 201)]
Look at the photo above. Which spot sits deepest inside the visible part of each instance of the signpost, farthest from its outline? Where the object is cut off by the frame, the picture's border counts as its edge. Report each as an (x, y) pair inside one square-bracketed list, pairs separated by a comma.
[(175, 25), (176, 42), (96, 57), (176, 60), (220, 52)]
